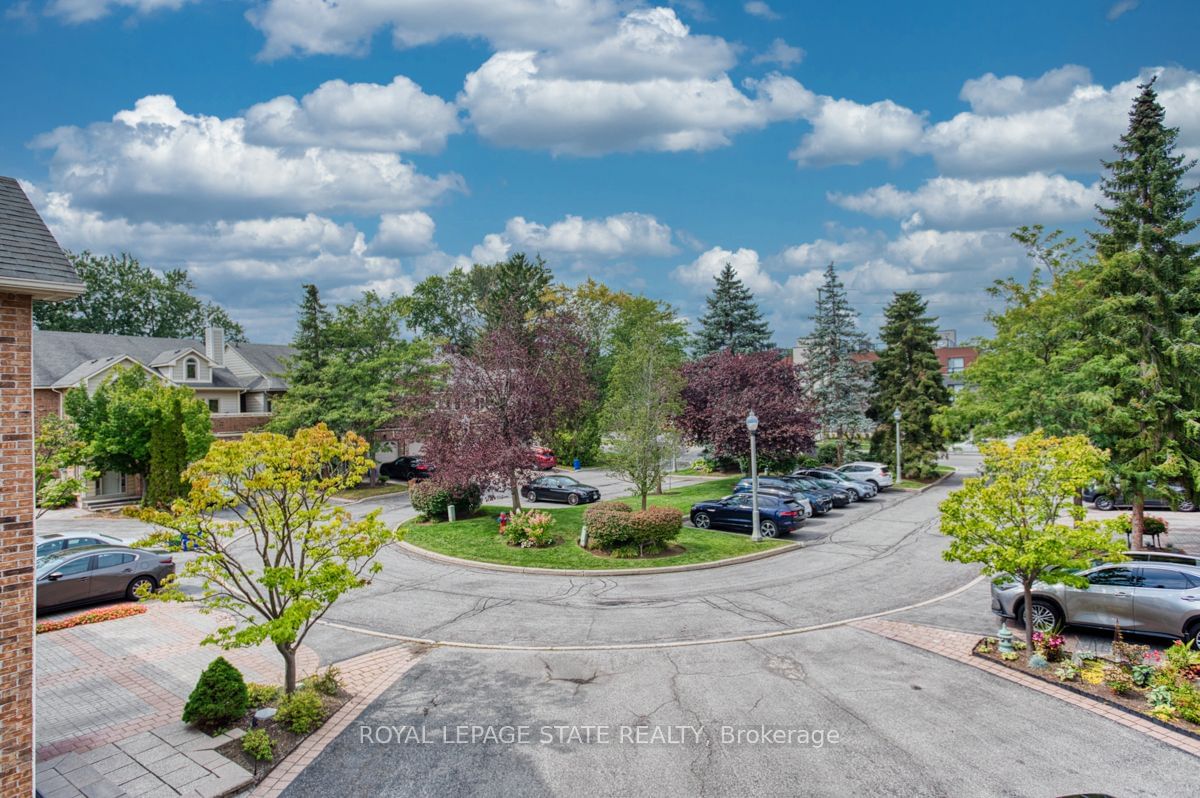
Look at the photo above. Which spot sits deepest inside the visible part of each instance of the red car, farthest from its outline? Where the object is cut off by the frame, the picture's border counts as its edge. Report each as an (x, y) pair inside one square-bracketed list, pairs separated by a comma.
[(543, 458)]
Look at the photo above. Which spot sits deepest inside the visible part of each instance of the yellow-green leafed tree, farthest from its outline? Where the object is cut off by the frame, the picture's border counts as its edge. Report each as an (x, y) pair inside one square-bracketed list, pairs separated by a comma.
[(272, 552), (1019, 519)]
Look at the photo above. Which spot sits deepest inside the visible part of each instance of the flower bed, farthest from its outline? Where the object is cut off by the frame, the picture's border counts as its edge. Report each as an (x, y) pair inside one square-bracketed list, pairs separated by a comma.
[(1161, 686), (92, 616)]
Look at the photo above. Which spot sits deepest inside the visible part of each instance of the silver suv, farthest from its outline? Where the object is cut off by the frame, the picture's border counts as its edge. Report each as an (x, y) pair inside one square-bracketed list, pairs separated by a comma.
[(1151, 597)]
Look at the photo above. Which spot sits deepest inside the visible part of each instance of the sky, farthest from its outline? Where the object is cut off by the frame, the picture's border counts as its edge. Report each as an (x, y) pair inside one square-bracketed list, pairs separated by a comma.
[(367, 144)]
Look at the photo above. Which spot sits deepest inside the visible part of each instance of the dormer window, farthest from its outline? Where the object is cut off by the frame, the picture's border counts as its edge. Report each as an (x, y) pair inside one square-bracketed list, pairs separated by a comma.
[(189, 368)]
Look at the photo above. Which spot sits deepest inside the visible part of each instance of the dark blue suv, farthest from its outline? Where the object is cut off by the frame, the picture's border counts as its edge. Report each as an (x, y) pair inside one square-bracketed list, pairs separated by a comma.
[(777, 515)]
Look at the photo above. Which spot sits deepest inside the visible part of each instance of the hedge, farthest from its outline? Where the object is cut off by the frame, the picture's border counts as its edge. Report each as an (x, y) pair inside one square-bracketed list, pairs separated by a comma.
[(615, 528), (432, 500)]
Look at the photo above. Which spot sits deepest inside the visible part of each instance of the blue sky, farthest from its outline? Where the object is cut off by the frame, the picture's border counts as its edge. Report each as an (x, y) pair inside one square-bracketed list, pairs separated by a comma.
[(367, 144)]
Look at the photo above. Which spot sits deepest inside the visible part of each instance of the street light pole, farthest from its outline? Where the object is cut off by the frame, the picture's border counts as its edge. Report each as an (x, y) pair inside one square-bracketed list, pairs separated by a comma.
[(896, 416), (752, 425)]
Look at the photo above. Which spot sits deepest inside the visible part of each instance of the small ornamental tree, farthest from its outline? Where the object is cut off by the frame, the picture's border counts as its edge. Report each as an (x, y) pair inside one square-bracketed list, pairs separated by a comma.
[(294, 555), (721, 390), (1019, 520)]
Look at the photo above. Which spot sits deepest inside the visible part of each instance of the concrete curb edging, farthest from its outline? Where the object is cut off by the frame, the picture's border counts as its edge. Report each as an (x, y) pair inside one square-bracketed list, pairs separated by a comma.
[(446, 559), (934, 484)]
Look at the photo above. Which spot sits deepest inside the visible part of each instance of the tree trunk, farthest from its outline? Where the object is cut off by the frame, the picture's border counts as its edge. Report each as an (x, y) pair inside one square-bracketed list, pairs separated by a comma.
[(289, 667), (1137, 522), (1028, 586), (643, 500), (516, 495)]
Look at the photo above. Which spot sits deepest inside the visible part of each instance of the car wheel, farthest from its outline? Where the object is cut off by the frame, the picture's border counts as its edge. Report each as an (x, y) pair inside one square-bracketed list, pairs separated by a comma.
[(530, 496), (137, 585), (701, 521), (573, 499), (1191, 634), (873, 482), (1186, 506), (1046, 616), (1104, 503), (768, 529)]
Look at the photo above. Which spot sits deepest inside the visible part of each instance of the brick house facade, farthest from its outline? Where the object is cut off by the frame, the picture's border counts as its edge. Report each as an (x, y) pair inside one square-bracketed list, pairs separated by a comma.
[(32, 266)]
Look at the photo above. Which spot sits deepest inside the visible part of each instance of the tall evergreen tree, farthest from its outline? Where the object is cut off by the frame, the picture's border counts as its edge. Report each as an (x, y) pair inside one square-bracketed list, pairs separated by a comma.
[(1144, 315), (908, 376), (733, 321), (310, 341), (839, 385)]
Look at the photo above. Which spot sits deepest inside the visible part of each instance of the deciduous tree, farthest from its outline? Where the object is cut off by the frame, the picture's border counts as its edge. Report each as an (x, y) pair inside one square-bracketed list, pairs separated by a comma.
[(1018, 521), (271, 551), (168, 454)]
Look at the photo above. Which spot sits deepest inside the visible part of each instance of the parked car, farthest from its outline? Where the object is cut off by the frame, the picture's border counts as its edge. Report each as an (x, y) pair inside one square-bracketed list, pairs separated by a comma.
[(864, 490), (820, 499), (405, 468), (97, 573), (560, 489), (777, 515), (837, 486), (543, 458), (1150, 597), (744, 486), (1176, 558), (875, 473), (52, 542), (1108, 499)]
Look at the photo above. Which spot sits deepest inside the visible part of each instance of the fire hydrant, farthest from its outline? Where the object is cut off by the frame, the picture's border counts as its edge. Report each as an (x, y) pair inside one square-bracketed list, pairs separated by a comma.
[(503, 522)]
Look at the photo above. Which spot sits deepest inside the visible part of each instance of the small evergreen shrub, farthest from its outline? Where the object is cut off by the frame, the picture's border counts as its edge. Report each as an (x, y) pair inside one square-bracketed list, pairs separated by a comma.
[(432, 500), (219, 698), (262, 694), (827, 452), (530, 529), (259, 745), (302, 711), (325, 682)]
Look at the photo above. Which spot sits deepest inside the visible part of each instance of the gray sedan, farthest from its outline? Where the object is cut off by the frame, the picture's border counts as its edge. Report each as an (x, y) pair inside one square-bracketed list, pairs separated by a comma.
[(98, 573), (1152, 597)]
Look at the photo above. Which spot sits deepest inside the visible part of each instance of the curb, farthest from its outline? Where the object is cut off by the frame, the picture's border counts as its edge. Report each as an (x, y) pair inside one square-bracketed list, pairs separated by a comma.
[(446, 559), (933, 484)]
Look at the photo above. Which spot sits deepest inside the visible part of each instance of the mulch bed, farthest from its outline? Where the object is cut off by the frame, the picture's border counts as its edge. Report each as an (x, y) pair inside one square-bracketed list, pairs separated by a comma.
[(285, 740), (1134, 703)]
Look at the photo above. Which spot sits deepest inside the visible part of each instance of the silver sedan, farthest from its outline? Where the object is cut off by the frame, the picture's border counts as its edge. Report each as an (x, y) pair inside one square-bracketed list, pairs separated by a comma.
[(1154, 598), (98, 573)]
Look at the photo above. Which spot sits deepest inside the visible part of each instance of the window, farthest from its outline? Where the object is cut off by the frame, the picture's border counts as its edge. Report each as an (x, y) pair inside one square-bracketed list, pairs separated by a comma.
[(954, 365), (269, 403), (189, 368), (1122, 577), (76, 543), (214, 405), (113, 559), (74, 566), (1163, 579)]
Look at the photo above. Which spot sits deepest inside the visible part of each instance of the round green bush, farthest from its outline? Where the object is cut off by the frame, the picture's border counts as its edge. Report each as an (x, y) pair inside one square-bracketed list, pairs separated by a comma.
[(301, 711), (259, 745), (219, 698), (614, 527), (432, 500), (262, 694)]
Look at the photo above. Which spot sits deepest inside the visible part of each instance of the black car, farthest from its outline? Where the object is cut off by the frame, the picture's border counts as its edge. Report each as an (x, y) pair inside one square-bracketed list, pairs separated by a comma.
[(820, 499), (560, 489), (1108, 499), (777, 514), (406, 468)]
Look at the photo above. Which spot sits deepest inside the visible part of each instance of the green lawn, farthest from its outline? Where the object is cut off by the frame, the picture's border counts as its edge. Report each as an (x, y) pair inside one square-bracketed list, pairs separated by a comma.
[(369, 491), (917, 484), (476, 538)]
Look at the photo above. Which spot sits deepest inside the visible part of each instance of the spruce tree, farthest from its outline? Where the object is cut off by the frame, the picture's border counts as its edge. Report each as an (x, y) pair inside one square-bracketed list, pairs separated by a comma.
[(310, 341), (908, 376), (1144, 313), (733, 321)]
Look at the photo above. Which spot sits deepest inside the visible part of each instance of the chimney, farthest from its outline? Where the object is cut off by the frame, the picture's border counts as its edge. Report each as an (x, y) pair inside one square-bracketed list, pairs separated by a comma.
[(214, 345)]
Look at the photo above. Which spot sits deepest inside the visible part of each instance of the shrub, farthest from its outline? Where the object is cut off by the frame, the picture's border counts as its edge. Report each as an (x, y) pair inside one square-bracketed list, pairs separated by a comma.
[(827, 452), (1118, 679), (1050, 646), (1186, 701), (301, 711), (260, 695), (1184, 659), (654, 527), (615, 528), (1066, 672), (259, 745), (530, 530), (604, 507), (432, 500), (1154, 524), (220, 697), (326, 682), (1142, 674)]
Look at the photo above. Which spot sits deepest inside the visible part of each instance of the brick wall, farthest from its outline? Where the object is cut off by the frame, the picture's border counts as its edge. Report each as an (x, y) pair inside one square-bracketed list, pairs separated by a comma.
[(237, 423), (46, 402), (16, 547)]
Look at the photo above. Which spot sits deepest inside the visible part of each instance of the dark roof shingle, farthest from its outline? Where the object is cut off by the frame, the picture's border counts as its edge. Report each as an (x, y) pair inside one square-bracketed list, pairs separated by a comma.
[(28, 251)]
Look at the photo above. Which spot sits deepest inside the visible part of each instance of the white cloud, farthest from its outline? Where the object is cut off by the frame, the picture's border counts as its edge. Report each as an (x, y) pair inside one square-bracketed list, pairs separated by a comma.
[(700, 273), (991, 95), (620, 235), (77, 11), (592, 117), (1120, 7), (156, 161), (953, 250), (781, 53), (946, 202), (757, 8), (356, 116), (815, 255), (404, 233), (847, 132)]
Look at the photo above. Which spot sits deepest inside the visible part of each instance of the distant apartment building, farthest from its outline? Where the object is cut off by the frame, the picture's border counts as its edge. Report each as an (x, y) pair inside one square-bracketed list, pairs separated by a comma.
[(953, 358), (238, 382)]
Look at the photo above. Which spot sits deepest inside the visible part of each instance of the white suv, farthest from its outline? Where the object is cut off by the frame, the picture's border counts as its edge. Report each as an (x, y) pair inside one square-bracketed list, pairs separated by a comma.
[(875, 473)]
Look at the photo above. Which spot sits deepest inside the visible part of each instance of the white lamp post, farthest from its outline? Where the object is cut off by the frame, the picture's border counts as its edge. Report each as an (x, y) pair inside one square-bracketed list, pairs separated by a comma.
[(896, 417), (752, 425)]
